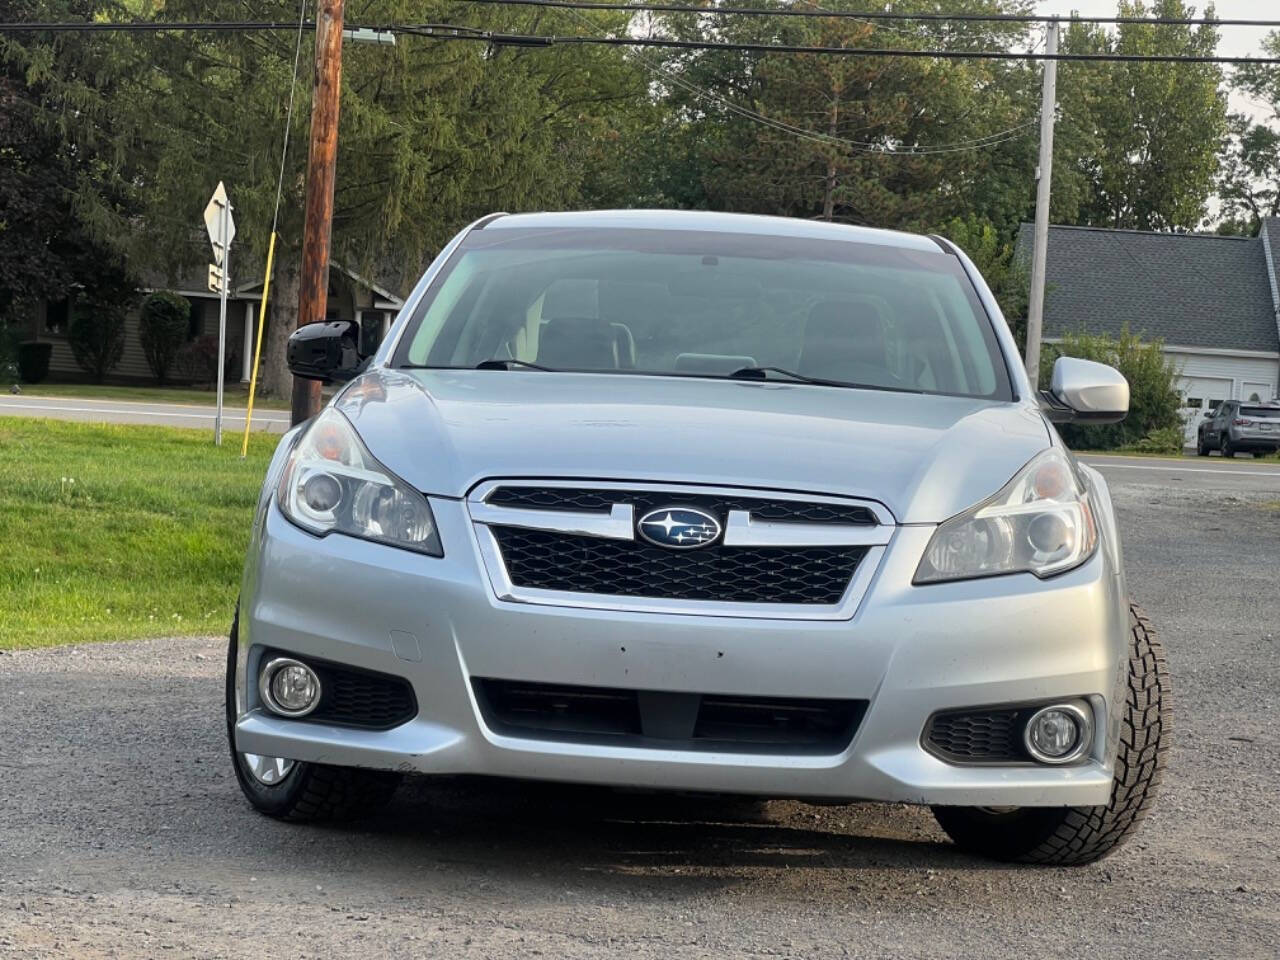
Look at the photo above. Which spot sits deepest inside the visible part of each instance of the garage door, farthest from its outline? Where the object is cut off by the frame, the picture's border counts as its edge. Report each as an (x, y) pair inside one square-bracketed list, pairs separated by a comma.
[(1198, 395)]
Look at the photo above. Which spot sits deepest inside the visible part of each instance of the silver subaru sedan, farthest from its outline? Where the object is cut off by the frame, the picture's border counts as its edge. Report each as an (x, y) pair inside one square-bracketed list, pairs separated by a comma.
[(701, 502)]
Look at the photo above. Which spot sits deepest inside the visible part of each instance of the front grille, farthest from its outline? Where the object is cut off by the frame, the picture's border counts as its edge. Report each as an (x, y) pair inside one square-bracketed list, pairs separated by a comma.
[(352, 697), (977, 736), (670, 721), (599, 500), (632, 568)]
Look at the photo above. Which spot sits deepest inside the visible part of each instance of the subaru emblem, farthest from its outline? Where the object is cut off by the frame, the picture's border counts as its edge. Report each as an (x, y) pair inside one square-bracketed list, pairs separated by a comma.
[(680, 528)]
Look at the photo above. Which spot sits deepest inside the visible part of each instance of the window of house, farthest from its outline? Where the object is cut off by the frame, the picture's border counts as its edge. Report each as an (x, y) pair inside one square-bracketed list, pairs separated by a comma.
[(1195, 403), (195, 325)]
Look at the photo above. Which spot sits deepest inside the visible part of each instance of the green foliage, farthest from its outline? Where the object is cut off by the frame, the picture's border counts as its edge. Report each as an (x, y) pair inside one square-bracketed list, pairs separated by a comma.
[(994, 257), (875, 141), (1154, 401), (1137, 145), (96, 338), (1249, 185), (33, 360), (54, 154), (1165, 440), (162, 328), (197, 361)]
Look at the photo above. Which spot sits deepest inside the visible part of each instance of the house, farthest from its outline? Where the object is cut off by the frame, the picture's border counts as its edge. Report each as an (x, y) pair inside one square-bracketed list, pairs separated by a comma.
[(1212, 300), (351, 297)]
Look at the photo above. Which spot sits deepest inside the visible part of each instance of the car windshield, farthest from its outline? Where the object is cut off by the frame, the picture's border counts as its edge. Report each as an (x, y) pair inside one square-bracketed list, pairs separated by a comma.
[(708, 304), (1263, 413)]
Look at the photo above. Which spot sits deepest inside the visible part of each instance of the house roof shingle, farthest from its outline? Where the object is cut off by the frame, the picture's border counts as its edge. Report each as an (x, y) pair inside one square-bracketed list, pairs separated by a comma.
[(1188, 289)]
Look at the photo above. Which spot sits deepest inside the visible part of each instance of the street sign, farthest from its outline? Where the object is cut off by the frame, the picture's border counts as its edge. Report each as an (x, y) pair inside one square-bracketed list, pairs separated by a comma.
[(222, 230), (219, 208)]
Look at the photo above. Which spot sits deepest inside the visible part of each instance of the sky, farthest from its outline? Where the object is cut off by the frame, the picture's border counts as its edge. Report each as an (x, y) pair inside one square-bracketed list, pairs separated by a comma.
[(1233, 41)]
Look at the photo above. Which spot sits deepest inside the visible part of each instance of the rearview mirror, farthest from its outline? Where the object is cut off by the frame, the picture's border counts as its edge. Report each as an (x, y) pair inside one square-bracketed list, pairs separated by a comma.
[(1082, 391), (325, 351)]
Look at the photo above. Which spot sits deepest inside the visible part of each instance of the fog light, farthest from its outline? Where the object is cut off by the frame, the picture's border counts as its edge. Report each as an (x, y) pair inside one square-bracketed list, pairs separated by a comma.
[(1059, 733), (288, 687)]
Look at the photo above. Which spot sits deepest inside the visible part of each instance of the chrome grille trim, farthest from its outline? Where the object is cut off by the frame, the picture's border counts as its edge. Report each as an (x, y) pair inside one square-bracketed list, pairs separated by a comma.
[(740, 531)]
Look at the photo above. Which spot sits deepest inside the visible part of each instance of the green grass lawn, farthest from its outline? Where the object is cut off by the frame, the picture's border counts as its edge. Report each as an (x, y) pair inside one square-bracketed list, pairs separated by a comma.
[(234, 395), (109, 532)]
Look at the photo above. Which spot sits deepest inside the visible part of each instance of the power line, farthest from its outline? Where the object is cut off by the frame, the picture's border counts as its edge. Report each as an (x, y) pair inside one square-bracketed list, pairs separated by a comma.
[(821, 13), (444, 31), (453, 32), (151, 26)]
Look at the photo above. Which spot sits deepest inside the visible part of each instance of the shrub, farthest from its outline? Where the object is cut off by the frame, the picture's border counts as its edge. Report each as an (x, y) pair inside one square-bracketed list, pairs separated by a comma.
[(33, 360), (1154, 402), (96, 338), (1164, 440), (162, 328), (198, 360)]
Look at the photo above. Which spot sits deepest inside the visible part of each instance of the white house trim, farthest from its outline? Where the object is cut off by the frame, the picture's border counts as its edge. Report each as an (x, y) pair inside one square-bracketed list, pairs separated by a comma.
[(1271, 273), (1223, 352), (1210, 351)]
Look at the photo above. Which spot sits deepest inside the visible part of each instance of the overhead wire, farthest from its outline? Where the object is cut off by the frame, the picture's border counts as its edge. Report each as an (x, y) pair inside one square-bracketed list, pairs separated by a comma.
[(817, 12), (457, 32), (275, 220), (448, 31)]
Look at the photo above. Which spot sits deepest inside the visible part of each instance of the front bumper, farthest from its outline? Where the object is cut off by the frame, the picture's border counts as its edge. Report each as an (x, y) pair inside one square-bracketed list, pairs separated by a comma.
[(909, 651)]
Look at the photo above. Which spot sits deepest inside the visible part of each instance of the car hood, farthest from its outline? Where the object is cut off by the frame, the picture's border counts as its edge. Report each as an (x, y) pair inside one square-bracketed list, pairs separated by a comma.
[(924, 457)]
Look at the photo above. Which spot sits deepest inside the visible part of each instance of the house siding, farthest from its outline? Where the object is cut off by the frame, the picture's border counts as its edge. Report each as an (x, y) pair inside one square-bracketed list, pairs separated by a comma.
[(1240, 370), (133, 362)]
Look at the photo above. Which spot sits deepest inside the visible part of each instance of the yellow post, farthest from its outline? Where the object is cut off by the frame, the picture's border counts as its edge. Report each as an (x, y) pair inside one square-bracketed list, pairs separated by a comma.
[(257, 346)]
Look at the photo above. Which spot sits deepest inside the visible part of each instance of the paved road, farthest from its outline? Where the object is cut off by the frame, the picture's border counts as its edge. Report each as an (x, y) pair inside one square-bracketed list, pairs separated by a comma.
[(1208, 474), (128, 411), (122, 833)]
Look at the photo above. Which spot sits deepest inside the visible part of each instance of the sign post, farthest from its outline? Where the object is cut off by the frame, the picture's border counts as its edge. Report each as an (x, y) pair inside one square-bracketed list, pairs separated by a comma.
[(222, 230)]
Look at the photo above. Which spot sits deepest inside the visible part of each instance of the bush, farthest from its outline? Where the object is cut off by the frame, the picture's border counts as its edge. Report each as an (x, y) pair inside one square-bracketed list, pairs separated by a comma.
[(96, 338), (33, 360), (1165, 440), (1154, 402), (198, 360), (162, 328)]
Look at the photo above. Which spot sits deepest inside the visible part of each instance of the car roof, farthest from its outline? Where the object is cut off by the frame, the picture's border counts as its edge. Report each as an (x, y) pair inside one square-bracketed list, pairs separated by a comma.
[(716, 222)]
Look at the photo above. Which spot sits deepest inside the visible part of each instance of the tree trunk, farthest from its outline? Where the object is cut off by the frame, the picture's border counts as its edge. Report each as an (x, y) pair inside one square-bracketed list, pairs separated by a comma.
[(829, 187), (276, 379)]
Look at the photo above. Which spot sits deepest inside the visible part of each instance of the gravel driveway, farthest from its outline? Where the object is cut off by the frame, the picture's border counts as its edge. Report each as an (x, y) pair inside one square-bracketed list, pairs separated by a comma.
[(123, 834)]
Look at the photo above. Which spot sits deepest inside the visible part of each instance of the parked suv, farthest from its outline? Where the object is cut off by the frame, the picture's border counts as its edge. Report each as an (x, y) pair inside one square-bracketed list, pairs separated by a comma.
[(1237, 426), (699, 502)]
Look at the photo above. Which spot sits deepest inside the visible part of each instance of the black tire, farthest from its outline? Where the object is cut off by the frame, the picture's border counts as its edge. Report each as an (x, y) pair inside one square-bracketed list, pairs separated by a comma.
[(1202, 448), (1079, 835), (1227, 449), (309, 791)]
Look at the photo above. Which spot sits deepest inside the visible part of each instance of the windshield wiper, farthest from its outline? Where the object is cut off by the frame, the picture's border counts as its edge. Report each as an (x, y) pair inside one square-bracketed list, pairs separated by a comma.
[(762, 373), (497, 363)]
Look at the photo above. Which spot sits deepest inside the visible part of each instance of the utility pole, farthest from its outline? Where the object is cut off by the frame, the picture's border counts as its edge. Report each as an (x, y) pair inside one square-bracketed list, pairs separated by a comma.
[(313, 286), (1040, 249)]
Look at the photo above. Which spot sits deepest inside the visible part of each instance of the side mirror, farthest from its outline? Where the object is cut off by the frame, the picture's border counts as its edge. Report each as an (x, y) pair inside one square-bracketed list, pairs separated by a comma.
[(1208, 414), (325, 351), (1082, 391)]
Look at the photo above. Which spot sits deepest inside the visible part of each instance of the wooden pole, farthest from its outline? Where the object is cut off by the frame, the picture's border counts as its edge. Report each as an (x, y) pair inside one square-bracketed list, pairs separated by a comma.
[(313, 286)]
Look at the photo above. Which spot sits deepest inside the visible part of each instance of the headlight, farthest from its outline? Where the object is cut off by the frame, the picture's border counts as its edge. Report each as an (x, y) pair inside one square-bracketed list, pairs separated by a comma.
[(332, 484), (1040, 523)]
